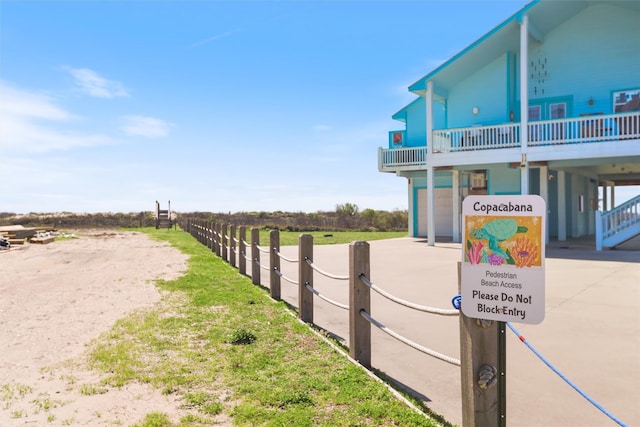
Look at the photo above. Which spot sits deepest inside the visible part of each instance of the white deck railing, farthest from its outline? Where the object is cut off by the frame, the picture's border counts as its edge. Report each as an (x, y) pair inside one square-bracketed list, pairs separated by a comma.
[(581, 130), (405, 158)]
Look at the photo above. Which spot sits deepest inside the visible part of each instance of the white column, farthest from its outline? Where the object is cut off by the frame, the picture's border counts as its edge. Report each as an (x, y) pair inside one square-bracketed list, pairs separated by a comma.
[(455, 180), (544, 193), (524, 103), (431, 209), (613, 196), (605, 185), (412, 211), (431, 204), (524, 175), (562, 207)]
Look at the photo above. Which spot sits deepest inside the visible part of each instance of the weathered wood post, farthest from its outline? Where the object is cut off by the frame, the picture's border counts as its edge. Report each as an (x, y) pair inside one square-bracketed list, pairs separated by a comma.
[(232, 245), (359, 300), (242, 250), (218, 227), (305, 277), (482, 370), (212, 236), (255, 256), (225, 243), (274, 263)]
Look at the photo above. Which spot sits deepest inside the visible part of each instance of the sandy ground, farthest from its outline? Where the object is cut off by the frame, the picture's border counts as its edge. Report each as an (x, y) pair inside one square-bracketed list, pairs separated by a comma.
[(56, 298)]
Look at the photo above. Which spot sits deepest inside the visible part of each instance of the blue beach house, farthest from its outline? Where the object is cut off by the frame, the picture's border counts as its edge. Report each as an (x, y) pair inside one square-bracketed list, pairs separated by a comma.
[(547, 103)]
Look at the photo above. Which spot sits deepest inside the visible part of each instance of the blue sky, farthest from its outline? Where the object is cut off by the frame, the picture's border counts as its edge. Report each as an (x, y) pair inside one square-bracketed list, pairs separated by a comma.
[(216, 106)]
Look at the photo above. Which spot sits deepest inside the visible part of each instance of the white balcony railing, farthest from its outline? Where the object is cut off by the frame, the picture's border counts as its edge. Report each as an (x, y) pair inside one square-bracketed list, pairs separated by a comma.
[(589, 129)]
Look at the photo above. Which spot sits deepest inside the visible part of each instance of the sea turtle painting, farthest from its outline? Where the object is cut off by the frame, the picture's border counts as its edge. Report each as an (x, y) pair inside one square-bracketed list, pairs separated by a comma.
[(496, 231)]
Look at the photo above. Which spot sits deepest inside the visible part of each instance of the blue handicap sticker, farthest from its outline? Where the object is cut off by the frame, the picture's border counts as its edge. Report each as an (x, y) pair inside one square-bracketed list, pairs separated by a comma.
[(457, 302)]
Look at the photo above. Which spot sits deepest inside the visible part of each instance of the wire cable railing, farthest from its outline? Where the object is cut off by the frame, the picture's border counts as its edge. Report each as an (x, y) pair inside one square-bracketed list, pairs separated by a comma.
[(408, 342), (358, 276), (324, 273), (418, 307), (324, 298)]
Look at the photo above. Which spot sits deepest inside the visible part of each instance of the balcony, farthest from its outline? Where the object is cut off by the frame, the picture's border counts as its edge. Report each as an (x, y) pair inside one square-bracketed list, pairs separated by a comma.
[(549, 133)]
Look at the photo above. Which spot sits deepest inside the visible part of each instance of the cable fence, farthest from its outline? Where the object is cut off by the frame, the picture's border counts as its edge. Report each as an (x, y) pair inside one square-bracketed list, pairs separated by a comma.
[(482, 346)]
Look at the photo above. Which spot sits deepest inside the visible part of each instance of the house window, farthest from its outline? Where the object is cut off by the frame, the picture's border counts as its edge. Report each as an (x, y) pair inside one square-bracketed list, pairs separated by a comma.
[(535, 113), (626, 100), (558, 110)]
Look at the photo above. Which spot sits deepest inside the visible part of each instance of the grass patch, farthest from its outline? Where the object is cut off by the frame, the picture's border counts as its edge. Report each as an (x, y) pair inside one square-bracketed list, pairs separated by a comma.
[(283, 374), (290, 238)]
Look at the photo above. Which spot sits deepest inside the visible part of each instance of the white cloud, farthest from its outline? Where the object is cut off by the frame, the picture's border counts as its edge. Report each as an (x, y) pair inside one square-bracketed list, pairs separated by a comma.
[(321, 128), (214, 38), (148, 127), (93, 84), (29, 104), (31, 123)]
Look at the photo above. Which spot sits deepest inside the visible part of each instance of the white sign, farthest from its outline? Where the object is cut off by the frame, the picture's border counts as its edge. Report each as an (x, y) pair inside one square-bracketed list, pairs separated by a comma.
[(503, 251)]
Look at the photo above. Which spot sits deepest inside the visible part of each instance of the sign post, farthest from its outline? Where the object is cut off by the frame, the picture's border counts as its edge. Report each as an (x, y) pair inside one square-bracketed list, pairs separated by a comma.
[(501, 279), (503, 258)]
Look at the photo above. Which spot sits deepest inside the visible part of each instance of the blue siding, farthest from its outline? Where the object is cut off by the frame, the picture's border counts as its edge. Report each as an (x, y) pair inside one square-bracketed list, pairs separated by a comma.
[(589, 56), (503, 180), (416, 125), (487, 89)]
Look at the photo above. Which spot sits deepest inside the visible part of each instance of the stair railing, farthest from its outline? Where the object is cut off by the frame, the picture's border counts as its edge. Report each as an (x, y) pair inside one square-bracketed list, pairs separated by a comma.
[(618, 224)]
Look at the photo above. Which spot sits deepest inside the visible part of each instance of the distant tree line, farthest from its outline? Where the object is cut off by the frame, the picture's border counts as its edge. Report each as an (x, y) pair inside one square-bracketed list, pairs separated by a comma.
[(346, 217)]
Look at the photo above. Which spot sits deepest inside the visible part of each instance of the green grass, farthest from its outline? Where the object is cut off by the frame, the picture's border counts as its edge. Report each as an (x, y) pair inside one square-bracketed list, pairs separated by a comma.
[(290, 238), (223, 347)]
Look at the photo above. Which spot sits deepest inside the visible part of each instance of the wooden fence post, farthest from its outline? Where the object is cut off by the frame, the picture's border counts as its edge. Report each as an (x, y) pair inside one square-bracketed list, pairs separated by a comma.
[(232, 245), (242, 250), (482, 370), (217, 238), (359, 300), (305, 276), (274, 263), (212, 236), (225, 243), (255, 256)]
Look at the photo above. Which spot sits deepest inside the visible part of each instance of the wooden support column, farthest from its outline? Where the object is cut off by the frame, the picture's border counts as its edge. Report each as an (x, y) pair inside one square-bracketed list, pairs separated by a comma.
[(274, 264), (218, 236), (225, 243), (255, 256), (242, 250), (359, 300), (305, 276), (232, 245), (482, 370)]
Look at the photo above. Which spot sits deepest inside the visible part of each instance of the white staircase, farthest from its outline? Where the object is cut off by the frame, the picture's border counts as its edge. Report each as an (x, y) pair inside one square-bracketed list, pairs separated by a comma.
[(618, 225)]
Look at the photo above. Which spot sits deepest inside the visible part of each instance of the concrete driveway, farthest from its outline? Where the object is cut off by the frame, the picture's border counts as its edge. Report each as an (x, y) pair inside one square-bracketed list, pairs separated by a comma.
[(591, 331)]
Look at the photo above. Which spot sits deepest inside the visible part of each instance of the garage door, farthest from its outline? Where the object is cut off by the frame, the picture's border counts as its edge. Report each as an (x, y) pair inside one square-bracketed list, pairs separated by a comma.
[(444, 212)]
